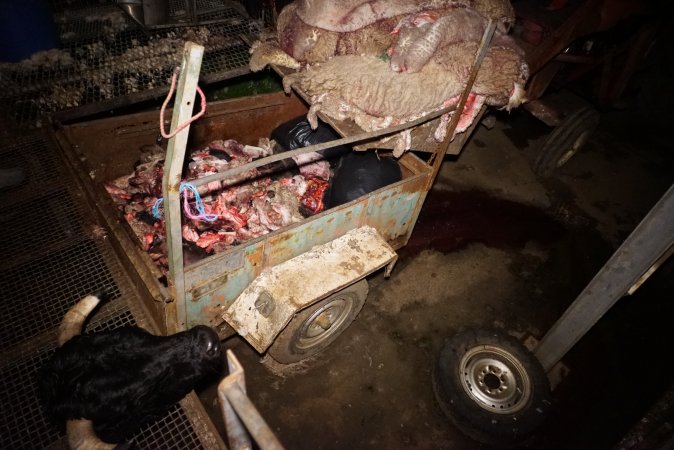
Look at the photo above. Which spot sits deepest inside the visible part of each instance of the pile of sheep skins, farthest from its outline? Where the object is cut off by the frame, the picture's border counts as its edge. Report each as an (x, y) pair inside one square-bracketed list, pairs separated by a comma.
[(382, 63)]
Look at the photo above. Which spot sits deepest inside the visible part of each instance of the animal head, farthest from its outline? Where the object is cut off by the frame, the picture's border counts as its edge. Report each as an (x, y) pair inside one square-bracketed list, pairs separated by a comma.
[(121, 379)]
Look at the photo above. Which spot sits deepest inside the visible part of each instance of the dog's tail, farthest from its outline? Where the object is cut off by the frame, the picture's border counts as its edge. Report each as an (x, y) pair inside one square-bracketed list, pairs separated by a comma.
[(80, 432)]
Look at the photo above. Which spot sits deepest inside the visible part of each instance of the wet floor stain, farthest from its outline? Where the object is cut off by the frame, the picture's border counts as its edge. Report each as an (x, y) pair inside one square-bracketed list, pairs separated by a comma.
[(450, 221)]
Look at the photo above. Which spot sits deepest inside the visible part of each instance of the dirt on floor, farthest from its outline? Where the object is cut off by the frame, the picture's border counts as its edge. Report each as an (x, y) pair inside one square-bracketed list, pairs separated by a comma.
[(495, 246)]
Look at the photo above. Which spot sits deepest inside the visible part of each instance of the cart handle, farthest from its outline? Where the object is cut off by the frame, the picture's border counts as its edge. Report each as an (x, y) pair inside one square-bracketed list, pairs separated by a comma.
[(318, 147)]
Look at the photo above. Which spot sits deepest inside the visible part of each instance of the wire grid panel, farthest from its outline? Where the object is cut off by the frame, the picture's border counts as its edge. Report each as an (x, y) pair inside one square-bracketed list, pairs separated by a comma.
[(31, 155), (173, 431), (44, 280), (107, 60), (38, 225), (24, 425), (43, 289), (48, 260), (206, 10)]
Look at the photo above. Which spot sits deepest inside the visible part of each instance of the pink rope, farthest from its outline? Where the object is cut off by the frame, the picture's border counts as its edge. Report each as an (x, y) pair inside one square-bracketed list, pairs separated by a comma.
[(163, 108), (200, 213), (195, 215)]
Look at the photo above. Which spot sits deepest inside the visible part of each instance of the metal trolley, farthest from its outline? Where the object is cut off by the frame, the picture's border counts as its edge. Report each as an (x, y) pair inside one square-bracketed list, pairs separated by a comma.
[(295, 289)]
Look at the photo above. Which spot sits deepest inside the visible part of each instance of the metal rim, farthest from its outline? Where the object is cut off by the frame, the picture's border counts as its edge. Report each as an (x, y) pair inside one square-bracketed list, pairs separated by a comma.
[(577, 145), (495, 379), (324, 323)]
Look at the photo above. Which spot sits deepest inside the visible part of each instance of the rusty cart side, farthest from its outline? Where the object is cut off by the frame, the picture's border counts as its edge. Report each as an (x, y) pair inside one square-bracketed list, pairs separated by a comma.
[(105, 149)]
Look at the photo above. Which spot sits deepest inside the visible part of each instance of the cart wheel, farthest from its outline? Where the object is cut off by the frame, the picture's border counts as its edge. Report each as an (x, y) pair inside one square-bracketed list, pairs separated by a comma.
[(491, 387), (566, 140), (317, 326)]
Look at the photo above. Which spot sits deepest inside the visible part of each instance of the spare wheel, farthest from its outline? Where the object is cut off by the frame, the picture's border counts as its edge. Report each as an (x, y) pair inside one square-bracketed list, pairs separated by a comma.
[(491, 387)]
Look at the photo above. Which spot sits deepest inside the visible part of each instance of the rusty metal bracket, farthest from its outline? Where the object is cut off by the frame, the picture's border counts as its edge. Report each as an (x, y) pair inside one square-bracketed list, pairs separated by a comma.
[(241, 417), (390, 266)]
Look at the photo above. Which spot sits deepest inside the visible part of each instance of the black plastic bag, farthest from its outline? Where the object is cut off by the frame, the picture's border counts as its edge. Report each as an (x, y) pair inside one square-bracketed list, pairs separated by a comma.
[(359, 173), (297, 133)]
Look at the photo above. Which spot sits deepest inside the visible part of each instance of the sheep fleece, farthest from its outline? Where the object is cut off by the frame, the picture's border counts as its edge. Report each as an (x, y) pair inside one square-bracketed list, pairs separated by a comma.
[(368, 84)]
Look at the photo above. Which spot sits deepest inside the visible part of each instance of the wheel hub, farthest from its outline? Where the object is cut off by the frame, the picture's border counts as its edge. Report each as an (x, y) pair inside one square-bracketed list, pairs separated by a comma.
[(323, 323), (495, 379), (577, 145)]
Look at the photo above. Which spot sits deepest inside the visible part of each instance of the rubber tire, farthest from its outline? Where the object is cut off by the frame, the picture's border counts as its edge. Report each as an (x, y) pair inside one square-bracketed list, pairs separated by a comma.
[(466, 411), (567, 139), (288, 348)]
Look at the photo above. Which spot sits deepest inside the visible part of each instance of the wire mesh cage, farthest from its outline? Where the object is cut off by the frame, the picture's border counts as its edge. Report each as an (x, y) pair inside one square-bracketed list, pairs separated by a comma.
[(25, 426), (108, 60), (48, 260), (48, 255)]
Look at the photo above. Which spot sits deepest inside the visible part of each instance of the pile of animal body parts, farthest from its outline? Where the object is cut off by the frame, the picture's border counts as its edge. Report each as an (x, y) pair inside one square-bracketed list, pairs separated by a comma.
[(234, 210), (386, 62)]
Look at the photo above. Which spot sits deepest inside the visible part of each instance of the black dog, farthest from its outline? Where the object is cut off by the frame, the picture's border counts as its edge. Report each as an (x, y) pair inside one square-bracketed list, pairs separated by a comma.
[(123, 378)]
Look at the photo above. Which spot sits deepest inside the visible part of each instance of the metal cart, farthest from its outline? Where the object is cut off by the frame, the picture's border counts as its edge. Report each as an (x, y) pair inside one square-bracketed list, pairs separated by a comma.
[(295, 289)]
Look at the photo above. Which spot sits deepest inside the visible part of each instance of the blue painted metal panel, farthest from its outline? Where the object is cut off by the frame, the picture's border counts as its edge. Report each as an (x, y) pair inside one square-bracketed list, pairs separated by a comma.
[(318, 230), (217, 281), (206, 302), (392, 212)]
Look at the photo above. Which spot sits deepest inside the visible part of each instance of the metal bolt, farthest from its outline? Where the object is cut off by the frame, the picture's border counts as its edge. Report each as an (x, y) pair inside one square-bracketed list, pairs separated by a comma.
[(323, 321), (265, 304)]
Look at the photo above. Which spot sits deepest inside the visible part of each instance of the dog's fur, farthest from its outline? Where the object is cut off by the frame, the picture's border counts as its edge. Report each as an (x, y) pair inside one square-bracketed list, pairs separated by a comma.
[(123, 378)]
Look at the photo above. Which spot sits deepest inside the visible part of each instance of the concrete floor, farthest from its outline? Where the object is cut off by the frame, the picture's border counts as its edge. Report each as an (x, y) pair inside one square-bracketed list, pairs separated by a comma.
[(495, 246)]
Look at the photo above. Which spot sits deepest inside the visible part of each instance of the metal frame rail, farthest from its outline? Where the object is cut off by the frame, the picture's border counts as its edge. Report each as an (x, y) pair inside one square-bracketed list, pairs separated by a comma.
[(643, 250), (240, 414)]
